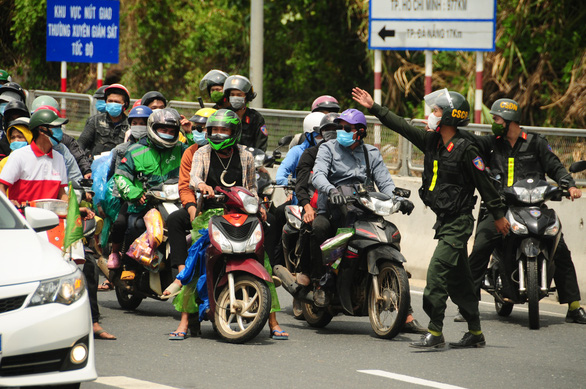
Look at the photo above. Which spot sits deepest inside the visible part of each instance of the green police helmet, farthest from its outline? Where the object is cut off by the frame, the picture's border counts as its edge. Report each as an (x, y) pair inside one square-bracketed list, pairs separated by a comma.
[(508, 109)]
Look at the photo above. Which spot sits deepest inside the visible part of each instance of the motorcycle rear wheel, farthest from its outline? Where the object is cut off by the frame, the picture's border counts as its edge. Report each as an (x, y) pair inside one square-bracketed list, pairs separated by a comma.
[(127, 300), (254, 298), (533, 294), (315, 316), (387, 316)]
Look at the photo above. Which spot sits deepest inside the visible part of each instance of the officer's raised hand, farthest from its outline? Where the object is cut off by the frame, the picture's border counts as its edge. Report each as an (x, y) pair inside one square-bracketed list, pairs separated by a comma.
[(362, 97), (406, 207), (336, 198)]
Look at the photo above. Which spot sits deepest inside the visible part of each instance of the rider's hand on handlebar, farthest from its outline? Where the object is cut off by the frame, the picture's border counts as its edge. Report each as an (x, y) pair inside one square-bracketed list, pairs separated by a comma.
[(502, 226), (263, 214), (575, 193), (336, 198), (206, 190), (406, 207), (309, 214), (142, 199)]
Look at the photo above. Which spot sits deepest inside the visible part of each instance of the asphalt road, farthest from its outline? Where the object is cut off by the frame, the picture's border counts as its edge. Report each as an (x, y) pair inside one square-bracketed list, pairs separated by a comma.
[(345, 354)]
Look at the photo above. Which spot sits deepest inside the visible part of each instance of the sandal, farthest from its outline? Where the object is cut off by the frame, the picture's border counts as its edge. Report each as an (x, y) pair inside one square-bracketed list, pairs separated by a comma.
[(105, 286), (177, 336), (279, 335), (173, 290), (104, 335)]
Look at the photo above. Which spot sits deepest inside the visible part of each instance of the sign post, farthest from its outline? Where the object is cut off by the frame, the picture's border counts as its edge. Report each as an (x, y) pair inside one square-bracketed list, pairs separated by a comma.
[(443, 25), (82, 31)]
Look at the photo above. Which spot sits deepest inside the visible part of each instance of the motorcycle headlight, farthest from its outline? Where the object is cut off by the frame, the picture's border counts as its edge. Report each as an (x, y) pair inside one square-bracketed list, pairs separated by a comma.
[(254, 239), (63, 290), (259, 160), (383, 207), (554, 228), (516, 226), (293, 221), (171, 192), (219, 238), (250, 203), (531, 196), (367, 202)]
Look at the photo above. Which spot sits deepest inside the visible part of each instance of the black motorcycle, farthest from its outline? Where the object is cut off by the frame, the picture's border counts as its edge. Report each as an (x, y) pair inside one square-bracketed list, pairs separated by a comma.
[(365, 270), (522, 268)]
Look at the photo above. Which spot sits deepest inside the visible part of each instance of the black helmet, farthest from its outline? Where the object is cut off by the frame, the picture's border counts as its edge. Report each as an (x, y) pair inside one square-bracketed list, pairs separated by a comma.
[(506, 108), (16, 107), (212, 78), (240, 83), (166, 117), (455, 107), (12, 91), (99, 93), (151, 96), (46, 118), (227, 119)]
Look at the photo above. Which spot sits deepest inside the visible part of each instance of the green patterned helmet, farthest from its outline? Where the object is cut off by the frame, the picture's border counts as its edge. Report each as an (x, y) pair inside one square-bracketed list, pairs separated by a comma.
[(227, 119)]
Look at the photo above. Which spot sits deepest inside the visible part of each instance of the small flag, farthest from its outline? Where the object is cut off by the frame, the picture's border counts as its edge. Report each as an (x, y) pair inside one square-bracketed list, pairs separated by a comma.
[(73, 224)]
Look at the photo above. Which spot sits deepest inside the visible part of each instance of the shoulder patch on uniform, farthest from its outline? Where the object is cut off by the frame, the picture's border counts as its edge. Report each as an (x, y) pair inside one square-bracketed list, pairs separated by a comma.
[(247, 119), (450, 147), (524, 135), (263, 129), (479, 163), (549, 148), (123, 160)]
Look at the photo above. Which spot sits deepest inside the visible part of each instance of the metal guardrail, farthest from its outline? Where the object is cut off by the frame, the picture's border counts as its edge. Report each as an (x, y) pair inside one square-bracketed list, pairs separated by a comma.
[(399, 154)]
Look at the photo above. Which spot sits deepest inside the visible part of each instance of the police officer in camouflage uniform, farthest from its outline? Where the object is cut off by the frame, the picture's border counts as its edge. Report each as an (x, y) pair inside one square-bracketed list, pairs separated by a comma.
[(452, 169), (103, 131), (514, 155), (238, 91)]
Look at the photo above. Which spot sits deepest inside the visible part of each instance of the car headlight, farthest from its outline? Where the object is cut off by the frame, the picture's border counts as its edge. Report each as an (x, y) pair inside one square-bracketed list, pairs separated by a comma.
[(219, 238), (516, 226), (63, 290), (554, 228), (254, 239), (250, 203), (531, 196)]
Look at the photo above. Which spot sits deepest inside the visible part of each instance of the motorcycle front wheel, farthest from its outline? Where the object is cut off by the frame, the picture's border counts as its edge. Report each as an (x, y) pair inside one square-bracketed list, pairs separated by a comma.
[(533, 294), (127, 300), (388, 314), (252, 308)]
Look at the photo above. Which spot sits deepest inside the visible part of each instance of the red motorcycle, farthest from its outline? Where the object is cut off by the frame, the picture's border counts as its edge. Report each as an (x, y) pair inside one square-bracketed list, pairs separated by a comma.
[(238, 293)]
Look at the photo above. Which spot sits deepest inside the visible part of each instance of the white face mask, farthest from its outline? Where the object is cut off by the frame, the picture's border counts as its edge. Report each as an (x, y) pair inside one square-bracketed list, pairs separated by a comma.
[(433, 121), (138, 131), (237, 102)]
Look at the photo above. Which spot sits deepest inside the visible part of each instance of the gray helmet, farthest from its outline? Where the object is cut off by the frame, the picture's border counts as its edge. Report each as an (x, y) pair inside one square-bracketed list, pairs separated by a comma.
[(213, 77), (455, 107), (240, 83), (508, 109), (166, 117)]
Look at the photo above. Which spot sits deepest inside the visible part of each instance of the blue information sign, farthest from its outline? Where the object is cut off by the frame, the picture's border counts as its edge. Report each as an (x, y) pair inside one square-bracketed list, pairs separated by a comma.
[(83, 31)]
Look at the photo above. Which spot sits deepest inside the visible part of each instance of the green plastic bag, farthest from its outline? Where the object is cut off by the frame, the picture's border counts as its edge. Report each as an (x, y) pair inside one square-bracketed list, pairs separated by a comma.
[(203, 221)]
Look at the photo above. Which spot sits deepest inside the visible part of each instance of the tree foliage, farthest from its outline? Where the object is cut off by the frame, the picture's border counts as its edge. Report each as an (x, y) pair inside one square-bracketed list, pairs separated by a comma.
[(313, 48)]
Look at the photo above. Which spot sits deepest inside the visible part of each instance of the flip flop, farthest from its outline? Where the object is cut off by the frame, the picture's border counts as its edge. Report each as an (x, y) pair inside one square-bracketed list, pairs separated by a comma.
[(278, 335), (173, 290), (105, 286), (177, 336), (98, 335)]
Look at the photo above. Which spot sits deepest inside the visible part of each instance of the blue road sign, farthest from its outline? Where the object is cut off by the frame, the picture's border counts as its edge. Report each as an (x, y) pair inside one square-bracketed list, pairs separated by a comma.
[(83, 31)]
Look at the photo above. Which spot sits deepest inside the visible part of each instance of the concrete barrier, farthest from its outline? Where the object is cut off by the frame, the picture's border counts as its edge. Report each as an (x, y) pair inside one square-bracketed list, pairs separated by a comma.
[(417, 243)]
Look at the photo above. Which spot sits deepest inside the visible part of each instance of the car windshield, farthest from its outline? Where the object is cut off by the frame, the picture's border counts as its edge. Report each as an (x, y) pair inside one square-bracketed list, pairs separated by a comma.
[(8, 220)]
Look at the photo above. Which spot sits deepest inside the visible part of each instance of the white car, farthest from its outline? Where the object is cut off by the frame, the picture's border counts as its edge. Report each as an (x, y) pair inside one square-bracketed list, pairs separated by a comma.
[(46, 333)]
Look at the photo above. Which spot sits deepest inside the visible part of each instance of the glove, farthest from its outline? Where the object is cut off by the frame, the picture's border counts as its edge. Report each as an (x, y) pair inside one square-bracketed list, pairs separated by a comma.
[(336, 198), (406, 207)]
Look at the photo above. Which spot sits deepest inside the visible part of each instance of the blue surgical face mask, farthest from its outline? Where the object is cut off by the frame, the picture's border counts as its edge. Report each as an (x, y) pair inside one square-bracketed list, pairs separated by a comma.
[(17, 145), (57, 136), (200, 138), (114, 109), (345, 138), (2, 107), (101, 106), (166, 136)]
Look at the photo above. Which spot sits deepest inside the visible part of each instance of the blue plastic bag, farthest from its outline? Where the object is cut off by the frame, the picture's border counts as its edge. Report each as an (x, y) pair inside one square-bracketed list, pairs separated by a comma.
[(195, 261), (100, 169)]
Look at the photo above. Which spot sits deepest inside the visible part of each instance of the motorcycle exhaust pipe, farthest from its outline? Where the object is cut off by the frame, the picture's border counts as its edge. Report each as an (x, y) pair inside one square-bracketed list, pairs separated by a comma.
[(287, 279)]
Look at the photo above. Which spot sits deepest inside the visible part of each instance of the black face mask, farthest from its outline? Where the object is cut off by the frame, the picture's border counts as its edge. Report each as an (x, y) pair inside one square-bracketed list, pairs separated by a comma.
[(329, 135)]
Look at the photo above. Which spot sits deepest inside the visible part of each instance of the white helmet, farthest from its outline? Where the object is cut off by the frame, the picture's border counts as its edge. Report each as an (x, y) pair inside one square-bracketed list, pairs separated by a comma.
[(312, 121)]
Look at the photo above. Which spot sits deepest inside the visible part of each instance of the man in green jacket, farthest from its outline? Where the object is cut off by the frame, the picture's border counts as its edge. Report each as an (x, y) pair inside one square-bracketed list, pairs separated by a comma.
[(453, 168)]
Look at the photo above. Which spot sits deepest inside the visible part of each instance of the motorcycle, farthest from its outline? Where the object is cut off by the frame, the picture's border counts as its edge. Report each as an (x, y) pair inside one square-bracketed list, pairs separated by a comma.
[(522, 268), (239, 297), (365, 265), (147, 273)]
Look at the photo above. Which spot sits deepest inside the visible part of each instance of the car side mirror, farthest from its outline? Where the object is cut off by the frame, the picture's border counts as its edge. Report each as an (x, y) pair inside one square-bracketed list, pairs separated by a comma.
[(41, 219)]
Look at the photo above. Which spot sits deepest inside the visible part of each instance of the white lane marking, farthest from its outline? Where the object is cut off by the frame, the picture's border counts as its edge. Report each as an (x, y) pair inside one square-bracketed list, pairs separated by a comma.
[(130, 383), (409, 379), (517, 307)]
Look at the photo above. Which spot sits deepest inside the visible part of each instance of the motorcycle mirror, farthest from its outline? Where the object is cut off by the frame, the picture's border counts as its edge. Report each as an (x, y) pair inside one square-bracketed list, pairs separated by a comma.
[(578, 167), (276, 154), (405, 193), (285, 140)]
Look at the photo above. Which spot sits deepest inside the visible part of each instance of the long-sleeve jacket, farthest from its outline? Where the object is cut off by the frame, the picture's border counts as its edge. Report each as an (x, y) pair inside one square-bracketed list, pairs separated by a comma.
[(337, 165), (303, 185), (102, 134), (254, 130), (472, 168), (186, 194), (289, 165), (73, 172), (80, 156)]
